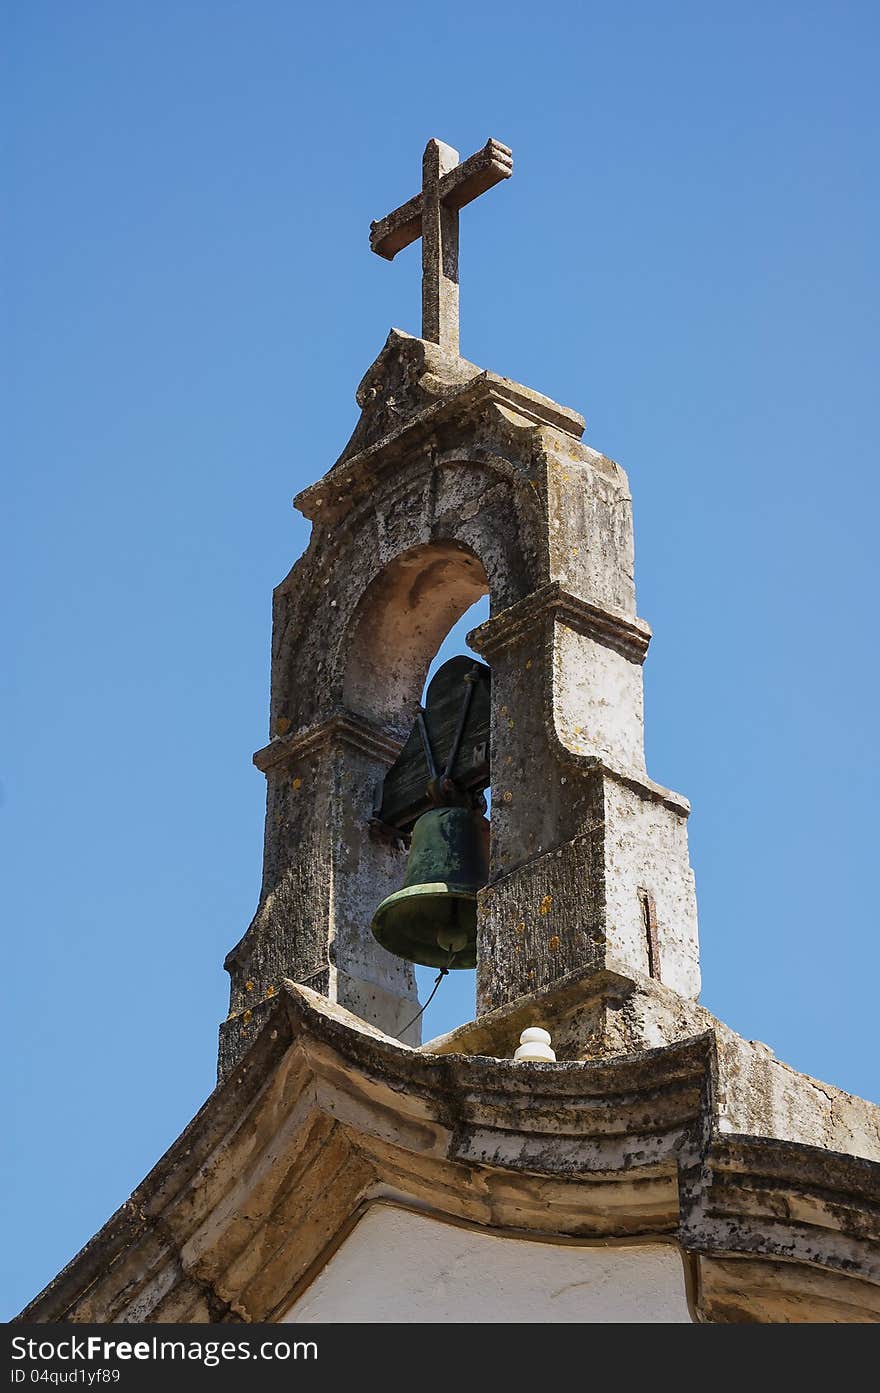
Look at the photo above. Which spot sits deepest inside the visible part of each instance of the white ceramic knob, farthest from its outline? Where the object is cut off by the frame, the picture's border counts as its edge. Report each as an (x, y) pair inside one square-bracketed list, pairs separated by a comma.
[(534, 1044)]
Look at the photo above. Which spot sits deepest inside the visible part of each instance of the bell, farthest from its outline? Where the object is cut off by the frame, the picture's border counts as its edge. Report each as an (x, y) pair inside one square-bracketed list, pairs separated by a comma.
[(433, 919)]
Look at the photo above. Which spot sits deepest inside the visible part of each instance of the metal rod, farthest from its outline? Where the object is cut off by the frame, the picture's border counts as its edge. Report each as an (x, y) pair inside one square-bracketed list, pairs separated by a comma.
[(426, 744), (469, 682)]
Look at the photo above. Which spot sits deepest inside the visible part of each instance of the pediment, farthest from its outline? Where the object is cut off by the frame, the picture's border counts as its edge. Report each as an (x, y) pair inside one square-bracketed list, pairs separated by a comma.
[(325, 1115)]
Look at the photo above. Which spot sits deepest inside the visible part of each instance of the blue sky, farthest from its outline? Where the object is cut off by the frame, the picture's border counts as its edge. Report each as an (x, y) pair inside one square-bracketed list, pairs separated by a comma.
[(687, 253)]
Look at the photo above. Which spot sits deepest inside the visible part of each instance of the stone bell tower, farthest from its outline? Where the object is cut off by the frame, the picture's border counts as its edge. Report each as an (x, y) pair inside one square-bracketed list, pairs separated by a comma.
[(457, 483)]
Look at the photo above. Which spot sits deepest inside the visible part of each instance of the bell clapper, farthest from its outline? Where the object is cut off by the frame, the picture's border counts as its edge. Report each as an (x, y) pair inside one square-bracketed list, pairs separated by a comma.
[(453, 942)]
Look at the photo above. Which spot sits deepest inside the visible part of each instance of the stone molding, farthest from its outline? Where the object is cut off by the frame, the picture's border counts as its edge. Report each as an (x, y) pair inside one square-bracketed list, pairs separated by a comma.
[(325, 1113), (551, 601), (337, 492), (343, 728)]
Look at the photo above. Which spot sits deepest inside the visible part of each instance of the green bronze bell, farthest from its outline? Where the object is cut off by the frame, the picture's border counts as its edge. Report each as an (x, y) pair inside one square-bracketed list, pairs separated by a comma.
[(433, 919)]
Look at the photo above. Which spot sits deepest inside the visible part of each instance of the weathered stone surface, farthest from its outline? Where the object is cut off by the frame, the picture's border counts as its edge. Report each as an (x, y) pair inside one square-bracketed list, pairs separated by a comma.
[(457, 482), (324, 1116), (433, 215), (737, 1289), (607, 1012)]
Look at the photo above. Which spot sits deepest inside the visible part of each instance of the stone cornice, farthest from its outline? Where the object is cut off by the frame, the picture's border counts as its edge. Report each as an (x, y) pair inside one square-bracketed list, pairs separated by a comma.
[(342, 728), (324, 1111), (351, 475), (627, 636), (639, 784)]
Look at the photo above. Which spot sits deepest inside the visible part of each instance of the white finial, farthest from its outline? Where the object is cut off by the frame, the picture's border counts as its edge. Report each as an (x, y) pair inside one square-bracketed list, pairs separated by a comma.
[(534, 1044)]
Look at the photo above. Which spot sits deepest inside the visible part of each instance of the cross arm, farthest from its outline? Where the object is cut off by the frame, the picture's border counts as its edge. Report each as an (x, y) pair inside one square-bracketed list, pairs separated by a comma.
[(465, 182), (390, 235), (477, 174)]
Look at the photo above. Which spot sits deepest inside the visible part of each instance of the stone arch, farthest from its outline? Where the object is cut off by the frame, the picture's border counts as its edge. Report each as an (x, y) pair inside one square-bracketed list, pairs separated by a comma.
[(402, 618), (418, 526)]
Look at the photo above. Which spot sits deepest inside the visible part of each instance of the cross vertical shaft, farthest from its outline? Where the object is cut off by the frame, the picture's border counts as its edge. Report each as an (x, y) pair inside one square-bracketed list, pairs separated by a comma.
[(439, 250), (433, 215)]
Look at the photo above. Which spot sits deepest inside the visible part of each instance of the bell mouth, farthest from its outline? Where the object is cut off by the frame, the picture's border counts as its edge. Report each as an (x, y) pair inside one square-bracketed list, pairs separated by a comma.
[(416, 921)]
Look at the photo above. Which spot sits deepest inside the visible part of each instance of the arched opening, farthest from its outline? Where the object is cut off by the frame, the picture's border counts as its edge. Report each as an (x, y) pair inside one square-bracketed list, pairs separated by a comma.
[(403, 618), (412, 618)]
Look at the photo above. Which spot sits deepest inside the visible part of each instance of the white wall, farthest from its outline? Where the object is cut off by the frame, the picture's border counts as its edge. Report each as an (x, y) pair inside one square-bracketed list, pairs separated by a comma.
[(400, 1267)]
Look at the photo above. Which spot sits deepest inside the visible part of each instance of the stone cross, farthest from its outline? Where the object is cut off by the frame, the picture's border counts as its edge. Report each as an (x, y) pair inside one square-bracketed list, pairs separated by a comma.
[(433, 215)]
